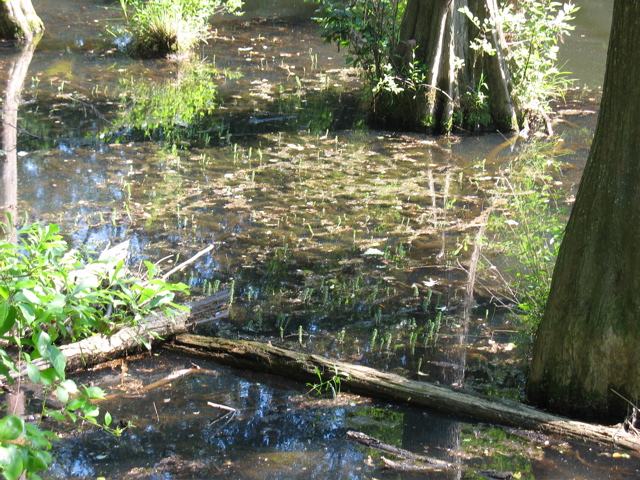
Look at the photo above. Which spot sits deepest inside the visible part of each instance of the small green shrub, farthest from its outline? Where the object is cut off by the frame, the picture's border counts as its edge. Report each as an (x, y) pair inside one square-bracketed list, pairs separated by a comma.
[(157, 28), (48, 295), (532, 30), (367, 29)]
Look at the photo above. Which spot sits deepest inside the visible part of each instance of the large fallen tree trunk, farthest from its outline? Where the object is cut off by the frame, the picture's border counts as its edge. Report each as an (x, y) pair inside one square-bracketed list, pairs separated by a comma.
[(370, 382), (102, 348)]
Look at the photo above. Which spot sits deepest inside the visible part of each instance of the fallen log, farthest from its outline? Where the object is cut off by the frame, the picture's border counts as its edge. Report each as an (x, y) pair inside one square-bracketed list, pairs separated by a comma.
[(370, 382), (102, 348)]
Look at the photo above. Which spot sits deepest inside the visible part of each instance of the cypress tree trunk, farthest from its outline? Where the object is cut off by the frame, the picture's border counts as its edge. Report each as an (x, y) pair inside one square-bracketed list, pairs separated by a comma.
[(588, 343), (19, 20), (436, 35)]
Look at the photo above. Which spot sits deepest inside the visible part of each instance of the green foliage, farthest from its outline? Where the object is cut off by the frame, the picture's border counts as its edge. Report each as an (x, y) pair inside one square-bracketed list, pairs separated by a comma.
[(49, 293), (532, 30), (158, 28), (368, 29), (50, 290)]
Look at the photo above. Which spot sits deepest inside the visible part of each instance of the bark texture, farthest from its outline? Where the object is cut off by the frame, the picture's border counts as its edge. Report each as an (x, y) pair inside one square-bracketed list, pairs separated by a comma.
[(370, 382), (19, 20), (437, 35), (588, 343)]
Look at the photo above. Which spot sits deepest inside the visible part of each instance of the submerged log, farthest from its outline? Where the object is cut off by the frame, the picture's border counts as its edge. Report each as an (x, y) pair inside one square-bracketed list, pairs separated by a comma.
[(415, 462), (370, 382), (102, 348)]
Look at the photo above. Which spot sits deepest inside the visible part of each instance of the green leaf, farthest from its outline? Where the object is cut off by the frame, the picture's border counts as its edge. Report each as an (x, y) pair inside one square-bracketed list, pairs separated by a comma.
[(29, 296), (63, 394), (39, 460), (43, 344), (87, 283), (7, 317), (91, 410), (28, 312), (69, 385), (107, 419), (11, 461), (11, 427), (48, 376), (33, 372), (57, 415), (76, 403), (4, 291), (4, 371), (94, 392), (58, 361), (37, 437)]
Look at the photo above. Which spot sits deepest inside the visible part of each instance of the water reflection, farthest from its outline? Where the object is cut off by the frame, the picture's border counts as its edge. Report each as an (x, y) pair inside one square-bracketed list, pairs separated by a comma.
[(321, 230), (17, 68)]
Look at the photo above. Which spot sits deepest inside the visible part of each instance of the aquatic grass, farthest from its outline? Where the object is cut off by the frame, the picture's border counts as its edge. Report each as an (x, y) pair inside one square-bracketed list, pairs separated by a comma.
[(331, 384), (529, 231)]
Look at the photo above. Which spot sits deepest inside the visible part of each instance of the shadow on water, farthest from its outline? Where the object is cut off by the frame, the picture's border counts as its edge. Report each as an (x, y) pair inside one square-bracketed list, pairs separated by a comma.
[(335, 239)]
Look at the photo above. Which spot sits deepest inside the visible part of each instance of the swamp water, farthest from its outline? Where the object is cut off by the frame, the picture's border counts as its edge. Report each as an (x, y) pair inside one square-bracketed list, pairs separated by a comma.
[(335, 240)]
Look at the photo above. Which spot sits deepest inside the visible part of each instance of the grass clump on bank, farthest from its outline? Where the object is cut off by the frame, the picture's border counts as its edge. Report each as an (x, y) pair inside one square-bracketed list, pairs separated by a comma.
[(158, 28)]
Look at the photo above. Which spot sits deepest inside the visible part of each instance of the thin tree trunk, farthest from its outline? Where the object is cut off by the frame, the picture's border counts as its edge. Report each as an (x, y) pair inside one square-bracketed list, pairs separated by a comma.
[(19, 20), (587, 349), (371, 382)]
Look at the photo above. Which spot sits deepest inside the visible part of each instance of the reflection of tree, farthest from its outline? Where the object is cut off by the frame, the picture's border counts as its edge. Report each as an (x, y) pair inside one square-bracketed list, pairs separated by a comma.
[(174, 110), (17, 68), (436, 430)]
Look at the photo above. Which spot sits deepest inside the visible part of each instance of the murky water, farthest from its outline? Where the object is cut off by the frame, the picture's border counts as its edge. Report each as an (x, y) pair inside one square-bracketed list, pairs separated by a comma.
[(335, 240)]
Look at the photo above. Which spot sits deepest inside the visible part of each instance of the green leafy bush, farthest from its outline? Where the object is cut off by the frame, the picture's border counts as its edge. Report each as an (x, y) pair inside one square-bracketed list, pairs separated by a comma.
[(367, 29), (48, 295)]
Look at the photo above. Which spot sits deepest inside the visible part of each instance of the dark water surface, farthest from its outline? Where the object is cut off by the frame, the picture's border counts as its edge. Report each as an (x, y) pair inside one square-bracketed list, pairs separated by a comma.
[(336, 240)]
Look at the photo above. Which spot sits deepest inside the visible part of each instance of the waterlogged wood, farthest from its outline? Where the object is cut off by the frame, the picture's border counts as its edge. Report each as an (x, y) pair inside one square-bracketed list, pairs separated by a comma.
[(370, 382), (415, 462), (102, 348)]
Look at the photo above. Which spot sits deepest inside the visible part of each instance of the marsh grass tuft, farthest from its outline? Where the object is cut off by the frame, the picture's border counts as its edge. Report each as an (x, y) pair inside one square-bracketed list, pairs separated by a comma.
[(332, 384), (158, 28)]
